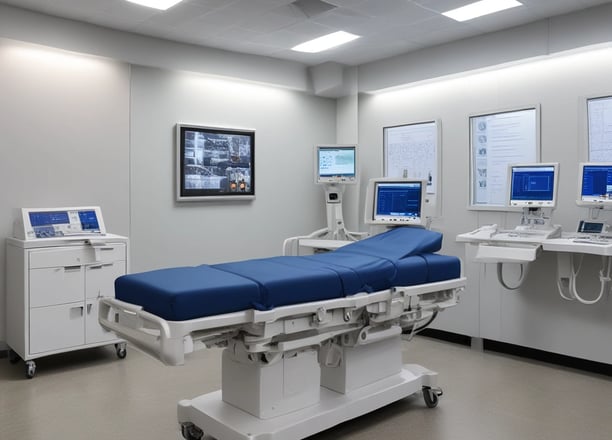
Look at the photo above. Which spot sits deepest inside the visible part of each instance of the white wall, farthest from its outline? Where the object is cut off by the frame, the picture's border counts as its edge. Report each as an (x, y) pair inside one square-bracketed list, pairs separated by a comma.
[(288, 124), (64, 133), (535, 316)]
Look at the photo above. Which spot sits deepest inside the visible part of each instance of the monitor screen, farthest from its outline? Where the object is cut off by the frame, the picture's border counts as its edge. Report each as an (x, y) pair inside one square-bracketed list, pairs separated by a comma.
[(533, 185), (61, 222), (395, 201), (214, 163), (336, 164), (595, 184)]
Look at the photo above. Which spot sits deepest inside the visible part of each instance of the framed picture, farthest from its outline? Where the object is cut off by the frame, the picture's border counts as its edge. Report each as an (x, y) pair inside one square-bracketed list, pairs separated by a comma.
[(599, 128), (214, 163), (498, 139)]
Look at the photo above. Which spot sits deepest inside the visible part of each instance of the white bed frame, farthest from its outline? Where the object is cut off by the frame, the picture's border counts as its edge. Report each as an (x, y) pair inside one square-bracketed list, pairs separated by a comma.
[(296, 370)]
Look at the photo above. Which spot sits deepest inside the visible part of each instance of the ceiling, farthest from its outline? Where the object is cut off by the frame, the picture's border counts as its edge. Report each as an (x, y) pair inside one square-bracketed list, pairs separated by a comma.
[(272, 27)]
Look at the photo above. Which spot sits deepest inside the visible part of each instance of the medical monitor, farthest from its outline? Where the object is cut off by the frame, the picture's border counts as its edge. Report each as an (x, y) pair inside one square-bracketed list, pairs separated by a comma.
[(533, 185), (336, 164), (36, 223), (395, 202), (595, 189)]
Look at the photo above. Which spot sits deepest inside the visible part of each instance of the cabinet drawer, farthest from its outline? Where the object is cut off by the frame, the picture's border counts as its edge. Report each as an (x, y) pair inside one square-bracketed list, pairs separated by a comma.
[(72, 256), (100, 278), (57, 327), (56, 285)]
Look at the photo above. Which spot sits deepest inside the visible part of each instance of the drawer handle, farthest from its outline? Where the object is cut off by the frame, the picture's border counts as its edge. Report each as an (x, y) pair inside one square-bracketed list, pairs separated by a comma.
[(78, 309), (72, 268), (100, 266)]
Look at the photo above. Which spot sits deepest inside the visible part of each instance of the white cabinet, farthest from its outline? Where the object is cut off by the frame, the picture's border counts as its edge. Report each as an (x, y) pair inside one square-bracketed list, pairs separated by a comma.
[(53, 289)]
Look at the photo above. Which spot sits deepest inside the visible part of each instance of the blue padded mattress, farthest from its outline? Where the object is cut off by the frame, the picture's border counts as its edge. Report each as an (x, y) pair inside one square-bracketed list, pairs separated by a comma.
[(400, 257)]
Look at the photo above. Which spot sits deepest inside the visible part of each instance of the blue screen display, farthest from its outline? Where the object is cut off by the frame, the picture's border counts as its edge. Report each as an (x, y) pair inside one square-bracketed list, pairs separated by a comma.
[(533, 183), (596, 181), (48, 218), (89, 220), (399, 199)]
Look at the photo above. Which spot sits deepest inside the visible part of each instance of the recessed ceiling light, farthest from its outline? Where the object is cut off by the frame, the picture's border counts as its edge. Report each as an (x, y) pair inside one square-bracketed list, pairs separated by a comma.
[(480, 8), (325, 42), (157, 4)]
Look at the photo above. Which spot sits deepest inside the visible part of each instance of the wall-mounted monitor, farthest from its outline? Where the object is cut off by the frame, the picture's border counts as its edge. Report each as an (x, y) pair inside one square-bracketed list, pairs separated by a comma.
[(595, 184), (533, 185), (336, 164), (395, 201), (214, 163)]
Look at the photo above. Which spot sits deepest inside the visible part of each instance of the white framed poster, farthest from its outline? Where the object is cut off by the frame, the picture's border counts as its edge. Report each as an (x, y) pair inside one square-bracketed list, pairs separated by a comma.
[(599, 128), (411, 150), (498, 139)]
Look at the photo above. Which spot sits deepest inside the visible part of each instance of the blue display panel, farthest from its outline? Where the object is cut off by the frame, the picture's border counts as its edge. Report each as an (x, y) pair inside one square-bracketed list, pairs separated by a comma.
[(535, 183), (398, 199), (596, 183), (46, 224)]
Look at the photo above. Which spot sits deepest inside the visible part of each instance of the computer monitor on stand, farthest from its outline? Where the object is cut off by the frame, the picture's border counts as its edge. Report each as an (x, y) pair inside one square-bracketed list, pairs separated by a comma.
[(392, 201), (533, 187), (335, 167)]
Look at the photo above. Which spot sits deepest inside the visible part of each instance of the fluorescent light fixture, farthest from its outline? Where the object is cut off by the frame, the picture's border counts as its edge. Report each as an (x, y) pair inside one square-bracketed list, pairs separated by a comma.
[(478, 9), (325, 42), (157, 4)]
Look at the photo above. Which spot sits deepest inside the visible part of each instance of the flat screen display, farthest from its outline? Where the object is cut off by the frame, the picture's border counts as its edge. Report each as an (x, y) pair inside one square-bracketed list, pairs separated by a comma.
[(398, 202), (46, 224), (215, 163), (336, 164), (595, 184), (533, 185)]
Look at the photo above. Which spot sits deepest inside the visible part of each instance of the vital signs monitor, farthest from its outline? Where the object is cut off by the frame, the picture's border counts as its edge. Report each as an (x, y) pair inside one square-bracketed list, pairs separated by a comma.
[(533, 185), (595, 185), (336, 164), (395, 201)]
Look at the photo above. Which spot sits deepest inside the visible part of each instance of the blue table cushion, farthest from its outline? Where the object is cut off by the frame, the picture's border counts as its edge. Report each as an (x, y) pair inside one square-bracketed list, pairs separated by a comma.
[(283, 285), (400, 257), (397, 243), (183, 293), (374, 273), (442, 267), (411, 271)]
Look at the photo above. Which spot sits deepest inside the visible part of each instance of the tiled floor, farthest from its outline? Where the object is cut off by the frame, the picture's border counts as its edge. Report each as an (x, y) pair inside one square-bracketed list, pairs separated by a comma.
[(93, 395)]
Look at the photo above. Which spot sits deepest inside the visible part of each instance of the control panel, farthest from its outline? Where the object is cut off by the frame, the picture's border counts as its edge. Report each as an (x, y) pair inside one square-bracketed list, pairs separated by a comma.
[(41, 223)]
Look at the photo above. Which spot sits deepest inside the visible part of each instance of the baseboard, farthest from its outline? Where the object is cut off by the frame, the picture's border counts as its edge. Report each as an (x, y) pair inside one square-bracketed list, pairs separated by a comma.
[(446, 336), (525, 352)]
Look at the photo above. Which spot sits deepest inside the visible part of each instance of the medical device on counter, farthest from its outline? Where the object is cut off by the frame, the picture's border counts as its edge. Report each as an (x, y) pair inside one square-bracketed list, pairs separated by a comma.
[(592, 235), (59, 223), (533, 188), (309, 341), (60, 262)]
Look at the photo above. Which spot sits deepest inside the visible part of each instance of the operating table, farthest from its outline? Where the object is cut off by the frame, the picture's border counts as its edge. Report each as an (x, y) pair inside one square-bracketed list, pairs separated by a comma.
[(309, 341)]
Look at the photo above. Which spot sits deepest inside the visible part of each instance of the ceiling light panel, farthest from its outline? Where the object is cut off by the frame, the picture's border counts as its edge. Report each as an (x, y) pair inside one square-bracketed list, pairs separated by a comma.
[(157, 4), (480, 8), (325, 42)]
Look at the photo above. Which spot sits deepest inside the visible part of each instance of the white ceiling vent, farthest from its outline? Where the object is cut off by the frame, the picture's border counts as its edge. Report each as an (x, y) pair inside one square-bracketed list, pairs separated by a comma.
[(312, 8)]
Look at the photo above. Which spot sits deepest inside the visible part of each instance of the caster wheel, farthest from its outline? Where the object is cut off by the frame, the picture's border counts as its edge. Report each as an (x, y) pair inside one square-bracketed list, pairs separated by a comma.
[(191, 431), (30, 369), (121, 350), (13, 357), (431, 396)]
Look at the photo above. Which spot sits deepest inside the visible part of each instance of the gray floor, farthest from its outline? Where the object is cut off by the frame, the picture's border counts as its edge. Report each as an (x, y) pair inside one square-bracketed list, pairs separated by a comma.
[(93, 395)]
